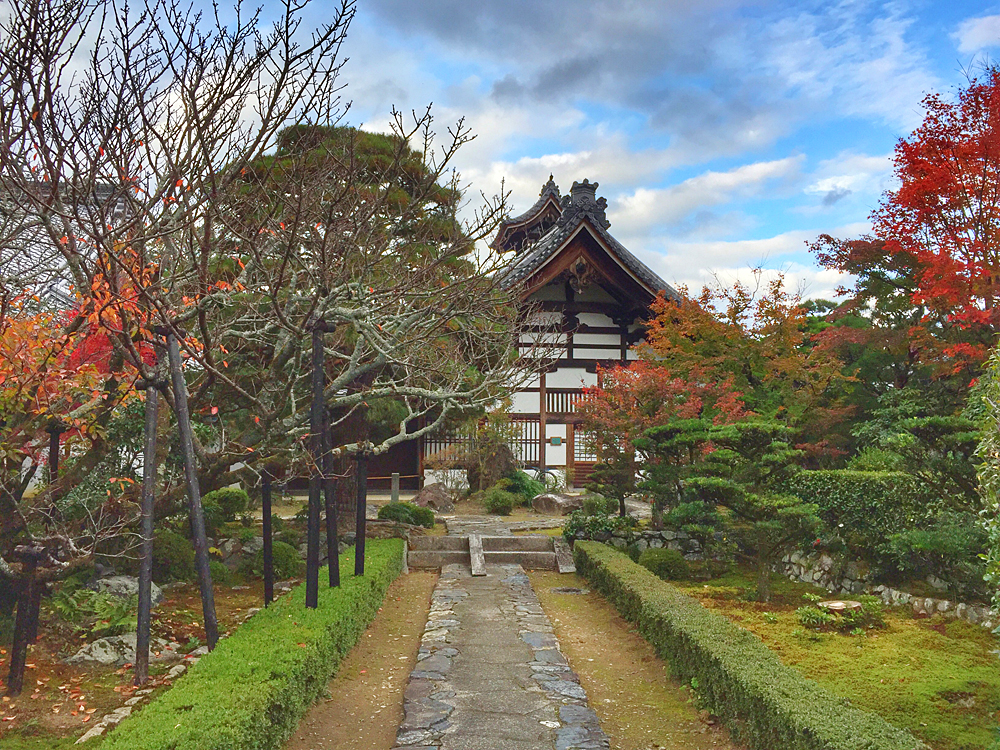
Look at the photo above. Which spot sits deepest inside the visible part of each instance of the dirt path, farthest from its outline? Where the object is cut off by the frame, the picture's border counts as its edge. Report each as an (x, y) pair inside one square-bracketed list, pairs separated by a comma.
[(640, 706), (366, 703)]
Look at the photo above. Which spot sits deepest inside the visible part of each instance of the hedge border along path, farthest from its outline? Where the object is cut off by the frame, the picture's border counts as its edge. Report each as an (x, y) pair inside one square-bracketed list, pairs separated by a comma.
[(252, 690), (763, 703)]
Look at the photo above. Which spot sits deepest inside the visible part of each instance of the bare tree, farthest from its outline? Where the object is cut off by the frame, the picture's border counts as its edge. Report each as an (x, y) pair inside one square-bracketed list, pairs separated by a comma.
[(151, 149)]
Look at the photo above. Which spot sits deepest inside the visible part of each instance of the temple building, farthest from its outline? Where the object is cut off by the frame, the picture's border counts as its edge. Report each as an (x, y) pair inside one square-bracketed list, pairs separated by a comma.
[(590, 296)]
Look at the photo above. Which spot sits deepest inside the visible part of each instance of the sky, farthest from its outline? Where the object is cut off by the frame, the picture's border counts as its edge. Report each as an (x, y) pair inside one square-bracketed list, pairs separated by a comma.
[(724, 135)]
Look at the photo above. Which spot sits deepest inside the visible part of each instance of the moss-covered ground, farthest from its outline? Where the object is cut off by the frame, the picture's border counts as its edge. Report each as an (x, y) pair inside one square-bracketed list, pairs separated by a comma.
[(640, 706), (937, 677)]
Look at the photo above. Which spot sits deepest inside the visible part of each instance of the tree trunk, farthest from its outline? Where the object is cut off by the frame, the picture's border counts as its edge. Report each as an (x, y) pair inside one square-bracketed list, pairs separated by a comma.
[(25, 622), (362, 506), (763, 581), (144, 617), (265, 502)]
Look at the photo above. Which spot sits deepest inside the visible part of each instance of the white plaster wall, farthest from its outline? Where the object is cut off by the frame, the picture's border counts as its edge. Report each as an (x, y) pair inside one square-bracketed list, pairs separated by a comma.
[(595, 319), (569, 377), (525, 403), (608, 339)]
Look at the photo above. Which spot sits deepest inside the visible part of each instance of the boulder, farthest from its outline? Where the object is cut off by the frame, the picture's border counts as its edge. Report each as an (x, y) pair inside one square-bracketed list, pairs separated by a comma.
[(253, 546), (124, 587), (118, 650), (436, 497), (555, 504), (501, 464)]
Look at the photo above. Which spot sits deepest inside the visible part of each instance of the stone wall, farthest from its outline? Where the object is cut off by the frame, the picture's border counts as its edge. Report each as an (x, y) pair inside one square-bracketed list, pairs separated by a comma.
[(851, 578), (647, 538)]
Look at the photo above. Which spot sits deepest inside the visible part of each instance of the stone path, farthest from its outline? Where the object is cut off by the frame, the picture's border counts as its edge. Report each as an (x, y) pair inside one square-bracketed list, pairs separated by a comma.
[(496, 525), (490, 673)]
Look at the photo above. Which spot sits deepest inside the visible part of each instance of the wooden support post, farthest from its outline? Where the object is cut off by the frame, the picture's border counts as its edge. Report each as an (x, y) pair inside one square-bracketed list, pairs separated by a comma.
[(330, 499), (265, 504), (144, 617), (394, 491), (193, 492), (361, 522), (316, 480), (542, 409), (571, 454)]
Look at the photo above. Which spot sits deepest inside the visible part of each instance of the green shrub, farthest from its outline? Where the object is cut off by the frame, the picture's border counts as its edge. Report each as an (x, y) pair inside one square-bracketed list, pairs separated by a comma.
[(245, 535), (668, 564), (765, 704), (497, 500), (524, 486), (277, 524), (294, 537), (221, 575), (252, 690), (948, 546), (871, 505), (600, 527), (854, 621), (284, 557), (215, 517), (598, 505), (415, 515), (173, 557), (813, 617), (232, 501)]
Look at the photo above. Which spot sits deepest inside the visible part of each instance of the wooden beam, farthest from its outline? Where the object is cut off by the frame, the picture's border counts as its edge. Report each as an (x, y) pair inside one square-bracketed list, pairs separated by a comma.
[(542, 396)]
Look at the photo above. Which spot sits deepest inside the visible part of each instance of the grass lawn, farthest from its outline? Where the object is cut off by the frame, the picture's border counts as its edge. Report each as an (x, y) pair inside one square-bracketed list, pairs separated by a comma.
[(934, 676)]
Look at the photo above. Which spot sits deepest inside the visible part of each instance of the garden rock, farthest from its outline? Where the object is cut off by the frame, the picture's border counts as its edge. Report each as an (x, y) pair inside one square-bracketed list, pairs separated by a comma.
[(116, 651), (124, 587), (555, 504), (436, 497), (253, 546)]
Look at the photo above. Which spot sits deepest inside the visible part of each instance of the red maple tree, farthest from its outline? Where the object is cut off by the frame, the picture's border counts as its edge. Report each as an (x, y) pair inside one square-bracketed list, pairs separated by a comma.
[(946, 211)]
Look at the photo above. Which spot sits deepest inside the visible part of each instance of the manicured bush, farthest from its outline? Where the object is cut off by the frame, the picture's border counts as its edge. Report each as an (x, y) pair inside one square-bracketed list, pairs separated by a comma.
[(173, 557), (415, 515), (871, 505), (252, 690), (765, 704), (600, 527), (497, 500), (598, 505), (286, 560), (221, 575), (948, 546), (215, 517), (232, 501), (668, 564), (524, 486)]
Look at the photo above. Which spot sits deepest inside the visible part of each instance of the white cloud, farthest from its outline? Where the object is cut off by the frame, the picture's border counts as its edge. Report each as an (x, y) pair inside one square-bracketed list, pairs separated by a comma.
[(646, 207), (975, 34), (850, 173)]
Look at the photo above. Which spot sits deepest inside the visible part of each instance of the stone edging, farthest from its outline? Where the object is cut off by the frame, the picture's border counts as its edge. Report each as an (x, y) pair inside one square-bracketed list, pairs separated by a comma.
[(823, 570)]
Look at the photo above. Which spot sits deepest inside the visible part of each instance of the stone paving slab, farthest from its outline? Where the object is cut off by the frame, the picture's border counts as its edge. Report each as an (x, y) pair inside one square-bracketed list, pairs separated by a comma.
[(490, 674), (497, 525)]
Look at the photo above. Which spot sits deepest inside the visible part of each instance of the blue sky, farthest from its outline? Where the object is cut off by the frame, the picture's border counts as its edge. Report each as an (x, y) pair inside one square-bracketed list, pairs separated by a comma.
[(724, 134)]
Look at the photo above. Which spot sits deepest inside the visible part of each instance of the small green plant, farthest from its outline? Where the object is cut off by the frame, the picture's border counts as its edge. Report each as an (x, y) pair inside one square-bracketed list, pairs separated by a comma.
[(232, 501), (277, 524), (415, 515), (221, 575), (668, 564), (527, 488), (599, 528), (287, 563), (245, 535), (813, 617), (770, 618), (499, 501), (173, 557), (247, 520), (95, 614)]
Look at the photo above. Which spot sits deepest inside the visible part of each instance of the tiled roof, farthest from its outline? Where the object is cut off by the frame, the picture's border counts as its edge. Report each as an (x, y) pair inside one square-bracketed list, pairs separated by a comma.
[(580, 206)]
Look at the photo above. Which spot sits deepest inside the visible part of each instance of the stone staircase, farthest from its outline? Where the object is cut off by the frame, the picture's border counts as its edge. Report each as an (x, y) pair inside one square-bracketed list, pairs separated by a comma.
[(476, 552)]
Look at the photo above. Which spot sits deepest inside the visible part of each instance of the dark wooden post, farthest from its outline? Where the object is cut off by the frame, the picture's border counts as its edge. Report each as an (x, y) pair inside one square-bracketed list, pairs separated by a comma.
[(193, 491), (26, 621), (146, 559), (542, 414), (265, 503), (316, 479), (55, 432), (330, 499), (361, 522)]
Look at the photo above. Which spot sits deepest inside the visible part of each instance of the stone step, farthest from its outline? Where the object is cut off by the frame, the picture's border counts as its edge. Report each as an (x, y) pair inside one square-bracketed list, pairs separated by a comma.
[(431, 559), (529, 560)]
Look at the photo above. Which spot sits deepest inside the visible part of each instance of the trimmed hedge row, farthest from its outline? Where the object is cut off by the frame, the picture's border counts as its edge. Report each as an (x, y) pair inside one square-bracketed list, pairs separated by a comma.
[(252, 690), (764, 703), (870, 504)]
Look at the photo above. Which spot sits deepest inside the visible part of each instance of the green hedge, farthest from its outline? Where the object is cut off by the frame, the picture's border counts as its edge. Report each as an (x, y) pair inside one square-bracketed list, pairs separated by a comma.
[(870, 504), (252, 690), (764, 703)]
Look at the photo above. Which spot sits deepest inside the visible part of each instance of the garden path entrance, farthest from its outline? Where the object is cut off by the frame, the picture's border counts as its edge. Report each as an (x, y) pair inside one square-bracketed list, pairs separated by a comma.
[(490, 673)]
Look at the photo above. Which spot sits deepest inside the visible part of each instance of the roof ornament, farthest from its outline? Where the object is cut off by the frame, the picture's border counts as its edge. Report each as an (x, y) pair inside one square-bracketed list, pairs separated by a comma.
[(582, 199)]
